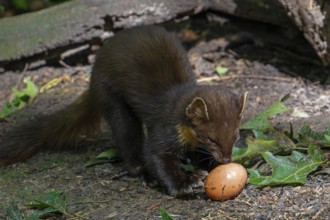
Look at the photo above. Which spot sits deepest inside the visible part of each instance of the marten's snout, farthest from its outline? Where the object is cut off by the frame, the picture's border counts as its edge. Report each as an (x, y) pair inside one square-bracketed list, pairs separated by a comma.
[(221, 159), (225, 160)]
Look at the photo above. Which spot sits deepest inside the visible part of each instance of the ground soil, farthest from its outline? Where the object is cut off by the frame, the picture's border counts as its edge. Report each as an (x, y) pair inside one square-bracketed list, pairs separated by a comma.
[(265, 62)]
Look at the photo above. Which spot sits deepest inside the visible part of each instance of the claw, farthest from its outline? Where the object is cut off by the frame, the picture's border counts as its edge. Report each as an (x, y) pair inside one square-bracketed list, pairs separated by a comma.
[(182, 191), (198, 184)]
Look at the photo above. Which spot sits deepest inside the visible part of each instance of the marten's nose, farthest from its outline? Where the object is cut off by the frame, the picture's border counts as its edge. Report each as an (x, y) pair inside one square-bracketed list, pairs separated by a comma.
[(226, 160)]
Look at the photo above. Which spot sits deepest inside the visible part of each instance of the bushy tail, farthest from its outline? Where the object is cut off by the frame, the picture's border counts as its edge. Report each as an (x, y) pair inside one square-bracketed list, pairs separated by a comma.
[(58, 131)]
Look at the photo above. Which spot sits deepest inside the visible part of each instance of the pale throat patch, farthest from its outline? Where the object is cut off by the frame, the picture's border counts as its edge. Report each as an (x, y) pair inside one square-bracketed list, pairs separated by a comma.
[(186, 135)]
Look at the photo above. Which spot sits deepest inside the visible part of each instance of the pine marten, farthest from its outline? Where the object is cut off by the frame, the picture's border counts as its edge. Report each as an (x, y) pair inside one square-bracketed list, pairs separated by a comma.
[(141, 78)]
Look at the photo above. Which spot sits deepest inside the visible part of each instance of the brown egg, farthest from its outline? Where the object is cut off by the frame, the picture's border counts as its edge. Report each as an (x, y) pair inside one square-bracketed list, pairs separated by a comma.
[(225, 181)]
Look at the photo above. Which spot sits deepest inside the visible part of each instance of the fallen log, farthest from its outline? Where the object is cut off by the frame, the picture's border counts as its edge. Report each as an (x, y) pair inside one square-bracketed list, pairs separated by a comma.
[(49, 34)]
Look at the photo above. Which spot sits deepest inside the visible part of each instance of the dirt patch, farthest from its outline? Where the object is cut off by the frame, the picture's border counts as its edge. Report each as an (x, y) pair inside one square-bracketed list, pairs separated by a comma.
[(98, 193)]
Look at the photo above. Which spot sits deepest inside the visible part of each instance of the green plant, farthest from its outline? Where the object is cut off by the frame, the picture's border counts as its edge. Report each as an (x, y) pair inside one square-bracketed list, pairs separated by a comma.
[(20, 97)]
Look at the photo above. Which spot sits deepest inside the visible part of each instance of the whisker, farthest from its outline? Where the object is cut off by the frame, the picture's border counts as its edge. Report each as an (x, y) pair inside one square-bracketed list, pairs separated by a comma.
[(212, 162), (203, 151), (206, 158), (203, 148)]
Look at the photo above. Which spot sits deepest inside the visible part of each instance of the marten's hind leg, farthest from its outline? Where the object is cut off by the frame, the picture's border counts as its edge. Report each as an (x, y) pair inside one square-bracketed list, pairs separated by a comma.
[(127, 132)]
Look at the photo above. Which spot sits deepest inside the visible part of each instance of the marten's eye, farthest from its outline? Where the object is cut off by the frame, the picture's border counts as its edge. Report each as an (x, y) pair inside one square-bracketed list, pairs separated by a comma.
[(213, 141)]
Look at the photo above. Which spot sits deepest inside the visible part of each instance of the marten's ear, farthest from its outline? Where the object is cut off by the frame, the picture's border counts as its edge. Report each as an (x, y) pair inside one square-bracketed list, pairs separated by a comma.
[(197, 110), (242, 103)]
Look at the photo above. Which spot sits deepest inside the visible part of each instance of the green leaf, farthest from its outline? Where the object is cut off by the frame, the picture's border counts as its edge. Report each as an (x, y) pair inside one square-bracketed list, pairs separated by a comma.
[(7, 109), (315, 153), (164, 214), (38, 214), (291, 169), (108, 154), (21, 98), (254, 149), (221, 70), (261, 121), (13, 212), (307, 136), (188, 167), (2, 8), (30, 89), (51, 84), (276, 143), (104, 157), (21, 4), (53, 201), (284, 98), (17, 93), (327, 138), (238, 151), (260, 135)]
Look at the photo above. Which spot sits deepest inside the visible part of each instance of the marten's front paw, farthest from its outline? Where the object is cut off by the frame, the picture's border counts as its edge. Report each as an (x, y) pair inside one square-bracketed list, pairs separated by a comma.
[(181, 191), (198, 177), (146, 180), (134, 169), (195, 180)]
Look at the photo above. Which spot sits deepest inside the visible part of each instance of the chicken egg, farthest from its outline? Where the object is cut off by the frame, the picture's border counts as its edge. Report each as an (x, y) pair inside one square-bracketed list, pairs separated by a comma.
[(225, 181)]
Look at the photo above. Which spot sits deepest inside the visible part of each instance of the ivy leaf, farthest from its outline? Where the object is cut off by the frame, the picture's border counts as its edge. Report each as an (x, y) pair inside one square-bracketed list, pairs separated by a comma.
[(291, 169), (261, 121)]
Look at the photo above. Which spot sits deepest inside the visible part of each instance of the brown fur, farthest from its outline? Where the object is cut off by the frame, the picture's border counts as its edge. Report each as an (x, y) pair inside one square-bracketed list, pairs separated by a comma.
[(58, 131), (141, 77)]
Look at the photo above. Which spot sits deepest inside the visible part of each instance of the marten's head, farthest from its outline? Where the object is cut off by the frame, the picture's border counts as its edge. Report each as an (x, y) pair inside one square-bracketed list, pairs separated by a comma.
[(214, 117)]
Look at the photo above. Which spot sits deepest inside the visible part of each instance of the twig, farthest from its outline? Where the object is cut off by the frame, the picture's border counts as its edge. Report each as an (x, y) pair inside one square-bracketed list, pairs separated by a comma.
[(316, 216), (85, 215), (19, 79), (222, 78), (64, 64), (88, 202), (30, 181), (208, 79)]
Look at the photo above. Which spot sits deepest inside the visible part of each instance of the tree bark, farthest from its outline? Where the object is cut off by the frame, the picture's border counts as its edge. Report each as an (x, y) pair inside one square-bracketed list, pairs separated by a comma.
[(267, 11), (312, 18), (49, 33)]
